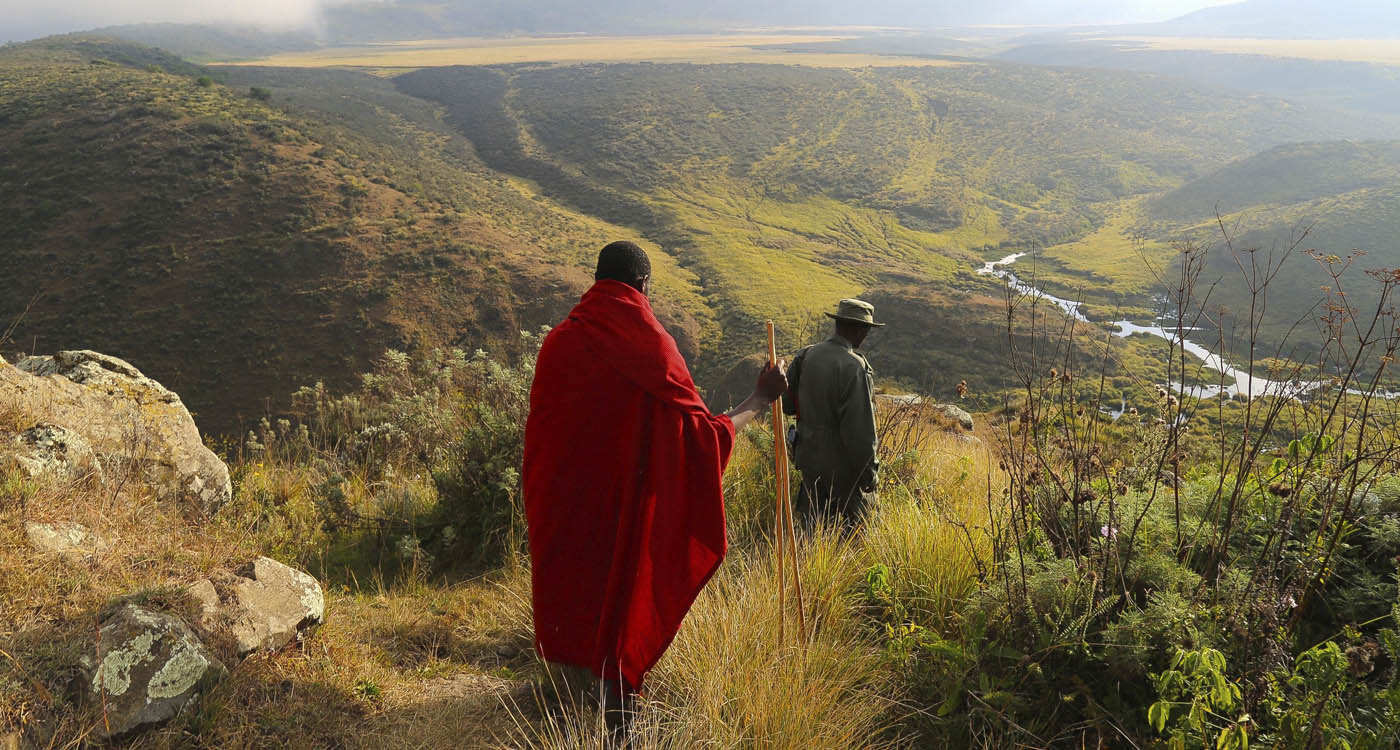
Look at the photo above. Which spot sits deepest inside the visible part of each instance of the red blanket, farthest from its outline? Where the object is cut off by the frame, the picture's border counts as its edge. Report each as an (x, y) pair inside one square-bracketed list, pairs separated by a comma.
[(622, 487)]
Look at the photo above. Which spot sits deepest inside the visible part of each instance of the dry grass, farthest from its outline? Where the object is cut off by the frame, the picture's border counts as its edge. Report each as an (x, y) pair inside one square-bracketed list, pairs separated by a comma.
[(50, 604), (434, 663), (398, 658), (727, 682)]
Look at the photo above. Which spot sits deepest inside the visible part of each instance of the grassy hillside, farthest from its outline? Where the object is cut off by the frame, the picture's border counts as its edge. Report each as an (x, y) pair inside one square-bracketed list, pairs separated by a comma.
[(784, 188), (240, 230), (236, 241), (1290, 174)]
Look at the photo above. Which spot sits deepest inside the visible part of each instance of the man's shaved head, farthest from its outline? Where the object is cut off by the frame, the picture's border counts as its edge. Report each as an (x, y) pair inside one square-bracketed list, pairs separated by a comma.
[(624, 261)]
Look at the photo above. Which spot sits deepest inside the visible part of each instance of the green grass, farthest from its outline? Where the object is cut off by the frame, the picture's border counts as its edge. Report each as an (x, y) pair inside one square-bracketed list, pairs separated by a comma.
[(1121, 258)]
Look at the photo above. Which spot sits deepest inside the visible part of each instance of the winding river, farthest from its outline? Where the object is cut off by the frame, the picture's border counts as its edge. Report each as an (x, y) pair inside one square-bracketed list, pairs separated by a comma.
[(1234, 382)]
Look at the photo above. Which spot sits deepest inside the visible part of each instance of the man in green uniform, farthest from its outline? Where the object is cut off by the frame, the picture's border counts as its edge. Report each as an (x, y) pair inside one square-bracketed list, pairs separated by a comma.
[(830, 390)]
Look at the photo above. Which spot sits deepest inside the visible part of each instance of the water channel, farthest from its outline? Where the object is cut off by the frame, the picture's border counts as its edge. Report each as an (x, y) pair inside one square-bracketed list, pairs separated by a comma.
[(1234, 382)]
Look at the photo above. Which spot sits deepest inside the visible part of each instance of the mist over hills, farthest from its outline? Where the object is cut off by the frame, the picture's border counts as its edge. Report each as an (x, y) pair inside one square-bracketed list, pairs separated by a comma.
[(339, 21), (1291, 19)]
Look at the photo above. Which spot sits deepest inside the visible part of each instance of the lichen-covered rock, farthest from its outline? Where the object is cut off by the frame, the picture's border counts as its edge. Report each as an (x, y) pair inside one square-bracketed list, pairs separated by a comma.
[(149, 667), (954, 413), (264, 605), (97, 370), (125, 417), (70, 540), (50, 450)]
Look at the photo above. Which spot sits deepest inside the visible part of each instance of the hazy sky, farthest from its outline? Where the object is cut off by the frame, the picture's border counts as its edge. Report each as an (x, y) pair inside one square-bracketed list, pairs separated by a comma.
[(22, 19)]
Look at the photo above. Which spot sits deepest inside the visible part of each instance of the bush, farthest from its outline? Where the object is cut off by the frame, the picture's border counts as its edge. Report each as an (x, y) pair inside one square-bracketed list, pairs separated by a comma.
[(418, 467), (259, 93)]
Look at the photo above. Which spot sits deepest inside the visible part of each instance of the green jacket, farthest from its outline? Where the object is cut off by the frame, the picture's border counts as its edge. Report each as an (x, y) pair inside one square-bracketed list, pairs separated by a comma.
[(835, 408)]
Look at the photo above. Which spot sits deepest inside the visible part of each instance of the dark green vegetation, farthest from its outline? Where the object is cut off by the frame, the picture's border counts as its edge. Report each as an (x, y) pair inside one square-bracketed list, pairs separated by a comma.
[(1338, 204)]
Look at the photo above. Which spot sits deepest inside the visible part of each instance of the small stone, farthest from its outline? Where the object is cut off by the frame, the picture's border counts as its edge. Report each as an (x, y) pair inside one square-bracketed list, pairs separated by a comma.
[(73, 541), (264, 606), (149, 667), (957, 414)]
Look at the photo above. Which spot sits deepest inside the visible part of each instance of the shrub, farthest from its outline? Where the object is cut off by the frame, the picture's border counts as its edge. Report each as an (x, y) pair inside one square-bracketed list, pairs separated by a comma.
[(418, 467)]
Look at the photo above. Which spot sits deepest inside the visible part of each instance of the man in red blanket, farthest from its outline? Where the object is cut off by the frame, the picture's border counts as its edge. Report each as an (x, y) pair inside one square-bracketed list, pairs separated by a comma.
[(621, 479)]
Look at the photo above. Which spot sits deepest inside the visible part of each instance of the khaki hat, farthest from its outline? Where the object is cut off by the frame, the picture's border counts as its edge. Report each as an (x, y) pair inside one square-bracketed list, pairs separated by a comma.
[(855, 311)]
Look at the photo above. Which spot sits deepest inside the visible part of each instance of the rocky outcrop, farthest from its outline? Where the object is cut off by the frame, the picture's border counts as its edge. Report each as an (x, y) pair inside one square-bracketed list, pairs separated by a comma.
[(47, 449), (149, 667), (72, 541), (264, 606), (125, 418)]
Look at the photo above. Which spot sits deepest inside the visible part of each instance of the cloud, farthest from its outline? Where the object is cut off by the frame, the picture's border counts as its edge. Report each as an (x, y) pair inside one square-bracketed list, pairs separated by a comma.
[(24, 19), (29, 18)]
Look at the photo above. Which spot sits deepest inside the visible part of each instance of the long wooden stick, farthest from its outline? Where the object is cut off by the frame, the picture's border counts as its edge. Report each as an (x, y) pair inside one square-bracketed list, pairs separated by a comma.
[(786, 535), (779, 473)]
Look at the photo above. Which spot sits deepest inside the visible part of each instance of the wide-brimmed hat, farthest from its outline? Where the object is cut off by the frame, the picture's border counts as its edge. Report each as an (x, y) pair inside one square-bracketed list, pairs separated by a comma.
[(855, 311)]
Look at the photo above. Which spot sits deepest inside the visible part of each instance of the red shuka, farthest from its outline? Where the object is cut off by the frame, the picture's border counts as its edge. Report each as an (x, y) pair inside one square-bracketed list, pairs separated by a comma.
[(622, 473)]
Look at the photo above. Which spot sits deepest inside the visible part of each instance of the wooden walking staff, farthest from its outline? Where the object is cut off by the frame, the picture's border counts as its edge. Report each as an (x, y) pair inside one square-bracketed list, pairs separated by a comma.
[(787, 535)]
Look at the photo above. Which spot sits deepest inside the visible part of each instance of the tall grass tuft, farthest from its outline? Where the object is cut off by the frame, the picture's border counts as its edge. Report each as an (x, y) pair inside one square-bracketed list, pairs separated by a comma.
[(929, 533)]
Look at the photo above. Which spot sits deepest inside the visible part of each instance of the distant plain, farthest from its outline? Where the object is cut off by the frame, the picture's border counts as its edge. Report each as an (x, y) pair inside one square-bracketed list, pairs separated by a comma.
[(706, 48)]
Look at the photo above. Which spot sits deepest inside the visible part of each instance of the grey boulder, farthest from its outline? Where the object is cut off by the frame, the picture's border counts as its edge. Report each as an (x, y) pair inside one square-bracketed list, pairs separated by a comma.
[(263, 606), (149, 667), (125, 417)]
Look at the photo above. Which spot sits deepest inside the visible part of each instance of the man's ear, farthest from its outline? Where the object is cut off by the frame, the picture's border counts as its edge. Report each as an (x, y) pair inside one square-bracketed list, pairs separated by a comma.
[(644, 285)]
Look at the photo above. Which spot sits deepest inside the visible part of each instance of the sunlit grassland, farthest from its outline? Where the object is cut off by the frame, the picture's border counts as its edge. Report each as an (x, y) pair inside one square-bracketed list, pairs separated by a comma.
[(752, 274), (790, 260), (1118, 255), (573, 239), (720, 48)]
